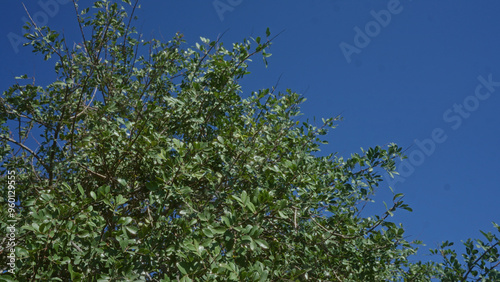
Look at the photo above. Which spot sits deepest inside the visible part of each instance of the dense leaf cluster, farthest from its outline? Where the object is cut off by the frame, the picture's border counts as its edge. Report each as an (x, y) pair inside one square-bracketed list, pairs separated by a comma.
[(150, 165)]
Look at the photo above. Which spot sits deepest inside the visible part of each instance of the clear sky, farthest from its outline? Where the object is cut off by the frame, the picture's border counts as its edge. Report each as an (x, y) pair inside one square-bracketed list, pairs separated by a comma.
[(422, 74)]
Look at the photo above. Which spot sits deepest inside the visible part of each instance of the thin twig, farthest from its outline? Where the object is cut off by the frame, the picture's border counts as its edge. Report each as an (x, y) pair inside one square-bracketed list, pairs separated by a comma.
[(479, 258), (295, 218), (40, 30), (81, 28), (76, 246), (86, 106), (93, 172), (26, 148)]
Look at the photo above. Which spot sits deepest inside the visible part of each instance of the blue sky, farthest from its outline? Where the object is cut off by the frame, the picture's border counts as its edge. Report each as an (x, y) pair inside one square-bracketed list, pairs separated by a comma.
[(422, 74)]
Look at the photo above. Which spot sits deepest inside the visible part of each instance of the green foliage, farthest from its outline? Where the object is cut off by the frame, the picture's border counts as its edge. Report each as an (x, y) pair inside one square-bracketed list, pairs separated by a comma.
[(481, 260), (152, 166)]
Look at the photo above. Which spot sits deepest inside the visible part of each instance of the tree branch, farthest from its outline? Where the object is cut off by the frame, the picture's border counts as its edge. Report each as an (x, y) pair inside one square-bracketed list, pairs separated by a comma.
[(25, 148)]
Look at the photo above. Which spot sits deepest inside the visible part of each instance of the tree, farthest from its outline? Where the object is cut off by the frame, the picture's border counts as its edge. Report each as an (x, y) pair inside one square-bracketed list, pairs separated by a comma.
[(152, 166)]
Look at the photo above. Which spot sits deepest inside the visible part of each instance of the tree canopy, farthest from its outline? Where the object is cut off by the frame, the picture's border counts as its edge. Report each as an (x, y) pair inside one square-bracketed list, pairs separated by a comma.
[(151, 163)]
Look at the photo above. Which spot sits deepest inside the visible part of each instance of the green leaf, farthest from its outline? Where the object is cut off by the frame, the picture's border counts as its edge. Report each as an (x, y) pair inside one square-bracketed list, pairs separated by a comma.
[(208, 233), (120, 200), (220, 139), (263, 244), (24, 76), (252, 245), (124, 243), (131, 229), (218, 230), (244, 197), (282, 215), (181, 269), (93, 195), (83, 234), (398, 196), (59, 83), (122, 182), (203, 216), (251, 207), (226, 221), (186, 279), (21, 252), (74, 275), (246, 238), (80, 188), (125, 220)]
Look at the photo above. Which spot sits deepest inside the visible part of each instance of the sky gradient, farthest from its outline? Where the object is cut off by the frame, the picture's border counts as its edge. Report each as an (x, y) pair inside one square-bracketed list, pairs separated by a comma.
[(422, 74)]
